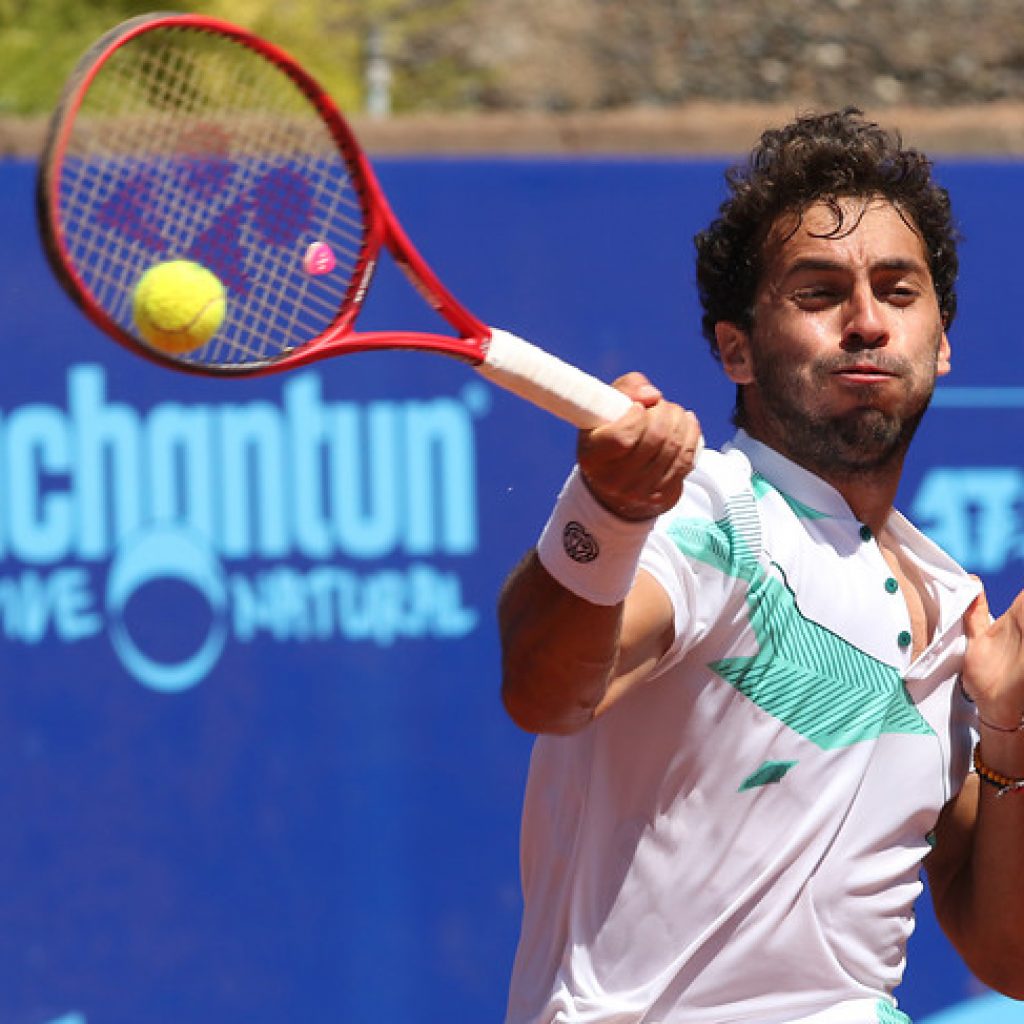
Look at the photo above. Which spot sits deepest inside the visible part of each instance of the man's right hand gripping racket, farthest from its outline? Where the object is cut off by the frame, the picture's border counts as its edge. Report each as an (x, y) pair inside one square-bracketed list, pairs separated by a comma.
[(182, 137)]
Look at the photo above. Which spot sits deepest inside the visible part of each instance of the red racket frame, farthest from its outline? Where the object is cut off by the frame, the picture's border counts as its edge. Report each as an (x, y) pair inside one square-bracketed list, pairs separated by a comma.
[(383, 230)]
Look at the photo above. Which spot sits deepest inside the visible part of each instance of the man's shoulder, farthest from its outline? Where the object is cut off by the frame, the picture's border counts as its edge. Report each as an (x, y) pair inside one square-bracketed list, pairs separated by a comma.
[(722, 475)]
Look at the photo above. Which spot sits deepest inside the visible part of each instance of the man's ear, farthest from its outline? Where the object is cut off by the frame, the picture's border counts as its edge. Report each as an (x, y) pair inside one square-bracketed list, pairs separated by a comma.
[(734, 349), (943, 364)]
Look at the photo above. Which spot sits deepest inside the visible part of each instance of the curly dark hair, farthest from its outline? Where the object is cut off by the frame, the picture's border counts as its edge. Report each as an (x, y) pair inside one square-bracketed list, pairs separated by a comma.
[(818, 157)]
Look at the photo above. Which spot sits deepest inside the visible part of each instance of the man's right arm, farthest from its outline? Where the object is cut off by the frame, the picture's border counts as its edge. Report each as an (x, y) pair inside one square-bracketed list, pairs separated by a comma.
[(567, 658)]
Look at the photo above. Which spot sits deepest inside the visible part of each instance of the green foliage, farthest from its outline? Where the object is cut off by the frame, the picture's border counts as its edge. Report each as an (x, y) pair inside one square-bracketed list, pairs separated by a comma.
[(40, 41)]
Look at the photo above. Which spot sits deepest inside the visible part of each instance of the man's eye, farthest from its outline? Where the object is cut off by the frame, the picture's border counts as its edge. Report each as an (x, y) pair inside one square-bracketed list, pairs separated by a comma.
[(900, 294), (817, 294)]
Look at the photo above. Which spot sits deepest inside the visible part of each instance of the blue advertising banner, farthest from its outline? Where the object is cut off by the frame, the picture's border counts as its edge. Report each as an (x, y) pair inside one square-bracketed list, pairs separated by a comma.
[(253, 764)]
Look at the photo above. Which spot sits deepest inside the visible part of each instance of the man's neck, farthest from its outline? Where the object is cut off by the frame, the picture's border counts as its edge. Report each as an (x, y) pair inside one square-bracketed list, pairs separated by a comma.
[(870, 495), (870, 491)]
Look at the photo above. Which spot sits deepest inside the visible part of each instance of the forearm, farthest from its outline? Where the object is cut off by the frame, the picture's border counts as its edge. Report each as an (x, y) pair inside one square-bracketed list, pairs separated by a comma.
[(974, 870), (579, 625), (994, 904), (980, 890), (559, 651)]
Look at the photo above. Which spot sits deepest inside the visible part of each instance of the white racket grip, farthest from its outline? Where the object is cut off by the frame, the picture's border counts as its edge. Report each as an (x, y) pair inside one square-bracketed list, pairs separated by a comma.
[(547, 381)]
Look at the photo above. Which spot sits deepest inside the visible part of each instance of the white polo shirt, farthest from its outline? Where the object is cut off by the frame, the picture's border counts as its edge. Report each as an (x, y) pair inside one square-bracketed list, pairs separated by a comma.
[(739, 839)]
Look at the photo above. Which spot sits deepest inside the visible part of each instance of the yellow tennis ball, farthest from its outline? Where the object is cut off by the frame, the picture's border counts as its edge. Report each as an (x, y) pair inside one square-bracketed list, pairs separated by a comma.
[(178, 306)]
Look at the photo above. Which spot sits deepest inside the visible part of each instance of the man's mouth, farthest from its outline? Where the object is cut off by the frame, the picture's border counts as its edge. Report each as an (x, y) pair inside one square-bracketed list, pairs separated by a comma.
[(863, 373)]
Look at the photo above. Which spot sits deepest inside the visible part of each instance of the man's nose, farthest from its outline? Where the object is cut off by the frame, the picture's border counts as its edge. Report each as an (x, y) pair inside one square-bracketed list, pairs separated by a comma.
[(866, 325)]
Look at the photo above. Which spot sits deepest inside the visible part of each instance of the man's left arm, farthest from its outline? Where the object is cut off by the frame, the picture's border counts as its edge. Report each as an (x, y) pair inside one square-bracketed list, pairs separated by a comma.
[(976, 870)]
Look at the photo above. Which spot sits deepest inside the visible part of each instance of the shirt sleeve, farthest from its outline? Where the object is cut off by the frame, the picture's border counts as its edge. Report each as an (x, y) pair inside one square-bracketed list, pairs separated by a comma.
[(705, 550)]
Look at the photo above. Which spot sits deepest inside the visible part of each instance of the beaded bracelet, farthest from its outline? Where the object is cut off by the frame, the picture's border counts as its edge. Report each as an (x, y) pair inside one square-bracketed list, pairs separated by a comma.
[(1003, 783)]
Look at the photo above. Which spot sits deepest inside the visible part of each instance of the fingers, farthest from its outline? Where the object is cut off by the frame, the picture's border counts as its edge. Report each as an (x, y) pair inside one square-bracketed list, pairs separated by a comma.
[(639, 388), (636, 466), (977, 618), (993, 673)]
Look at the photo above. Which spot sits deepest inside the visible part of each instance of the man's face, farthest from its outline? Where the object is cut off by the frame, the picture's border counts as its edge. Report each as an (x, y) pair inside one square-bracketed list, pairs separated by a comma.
[(847, 339)]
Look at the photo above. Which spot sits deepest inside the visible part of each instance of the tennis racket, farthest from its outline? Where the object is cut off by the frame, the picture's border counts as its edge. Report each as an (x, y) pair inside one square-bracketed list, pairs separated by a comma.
[(186, 137)]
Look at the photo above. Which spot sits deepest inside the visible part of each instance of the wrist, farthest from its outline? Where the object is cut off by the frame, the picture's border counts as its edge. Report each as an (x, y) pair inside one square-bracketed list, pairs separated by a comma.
[(1004, 778), (590, 550), (1005, 720), (629, 509), (997, 717)]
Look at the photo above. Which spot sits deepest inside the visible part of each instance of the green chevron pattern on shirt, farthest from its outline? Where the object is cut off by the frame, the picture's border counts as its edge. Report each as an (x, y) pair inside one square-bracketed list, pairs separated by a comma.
[(815, 682), (768, 774), (802, 511), (888, 1014)]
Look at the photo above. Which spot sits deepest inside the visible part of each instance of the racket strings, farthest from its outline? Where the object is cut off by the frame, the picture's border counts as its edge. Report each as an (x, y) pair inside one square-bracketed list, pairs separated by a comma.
[(190, 145)]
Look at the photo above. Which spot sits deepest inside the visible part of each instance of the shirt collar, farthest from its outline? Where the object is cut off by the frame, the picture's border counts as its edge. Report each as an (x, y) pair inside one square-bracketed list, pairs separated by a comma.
[(791, 480)]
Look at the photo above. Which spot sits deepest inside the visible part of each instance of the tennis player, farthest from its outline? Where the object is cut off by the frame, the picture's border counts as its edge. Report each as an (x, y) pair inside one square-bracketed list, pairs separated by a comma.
[(765, 699)]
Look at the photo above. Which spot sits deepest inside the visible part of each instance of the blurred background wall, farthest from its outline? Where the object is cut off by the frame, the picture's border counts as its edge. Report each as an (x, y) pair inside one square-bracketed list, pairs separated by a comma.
[(245, 782)]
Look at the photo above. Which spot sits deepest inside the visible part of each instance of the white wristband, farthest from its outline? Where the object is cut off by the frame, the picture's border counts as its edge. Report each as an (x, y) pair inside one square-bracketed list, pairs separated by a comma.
[(589, 550)]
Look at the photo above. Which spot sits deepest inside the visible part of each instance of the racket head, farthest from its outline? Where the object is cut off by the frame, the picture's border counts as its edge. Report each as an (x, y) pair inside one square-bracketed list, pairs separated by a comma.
[(187, 137)]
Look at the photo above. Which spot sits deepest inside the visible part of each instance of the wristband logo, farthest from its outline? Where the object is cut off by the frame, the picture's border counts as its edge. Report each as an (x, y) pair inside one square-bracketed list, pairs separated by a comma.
[(580, 545), (300, 521)]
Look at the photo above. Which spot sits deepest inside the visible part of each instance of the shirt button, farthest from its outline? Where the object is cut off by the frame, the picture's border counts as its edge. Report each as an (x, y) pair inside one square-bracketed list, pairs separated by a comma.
[(891, 585), (904, 639), (865, 533)]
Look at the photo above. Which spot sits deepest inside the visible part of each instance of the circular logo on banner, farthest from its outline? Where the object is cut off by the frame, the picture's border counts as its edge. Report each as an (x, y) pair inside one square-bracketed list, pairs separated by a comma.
[(153, 557)]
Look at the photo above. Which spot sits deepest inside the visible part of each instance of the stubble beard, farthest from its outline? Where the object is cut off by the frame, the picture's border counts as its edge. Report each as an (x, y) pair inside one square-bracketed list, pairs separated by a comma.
[(854, 444)]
